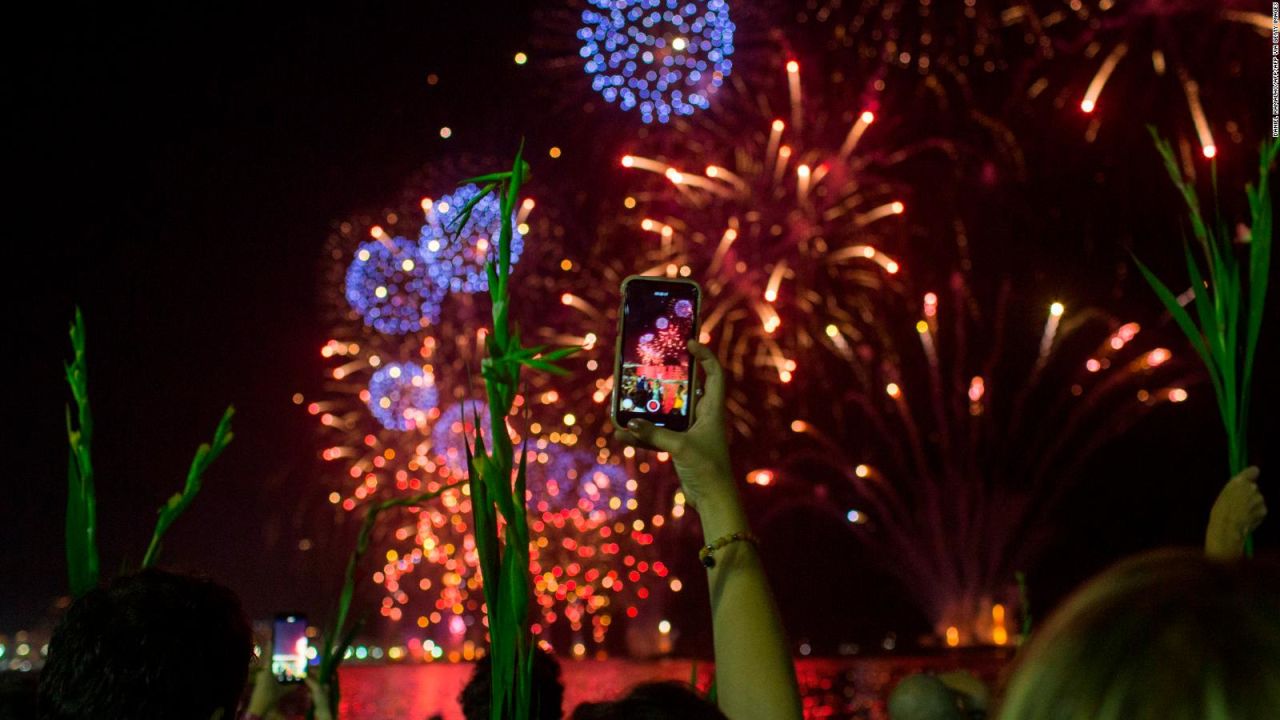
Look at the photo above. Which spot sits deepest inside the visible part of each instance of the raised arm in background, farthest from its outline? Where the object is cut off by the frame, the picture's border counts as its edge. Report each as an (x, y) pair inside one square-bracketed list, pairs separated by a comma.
[(755, 678), (1238, 511)]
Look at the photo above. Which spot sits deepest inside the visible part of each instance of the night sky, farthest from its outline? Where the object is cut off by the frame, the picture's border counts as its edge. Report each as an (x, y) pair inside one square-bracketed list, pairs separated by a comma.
[(178, 169)]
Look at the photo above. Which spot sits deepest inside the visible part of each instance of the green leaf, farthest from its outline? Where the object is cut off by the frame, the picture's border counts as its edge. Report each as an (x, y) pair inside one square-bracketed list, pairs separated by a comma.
[(497, 495), (80, 526), (1024, 604), (1225, 307), (509, 206), (178, 504), (1261, 216), (562, 353), (339, 637), (1205, 308), (485, 522), (464, 214), (545, 366), (82, 556), (1184, 322), (1186, 189)]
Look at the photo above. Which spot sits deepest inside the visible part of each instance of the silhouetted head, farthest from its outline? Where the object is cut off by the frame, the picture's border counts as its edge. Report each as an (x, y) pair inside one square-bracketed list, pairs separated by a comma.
[(653, 701), (923, 697), (548, 691), (154, 645), (1166, 634)]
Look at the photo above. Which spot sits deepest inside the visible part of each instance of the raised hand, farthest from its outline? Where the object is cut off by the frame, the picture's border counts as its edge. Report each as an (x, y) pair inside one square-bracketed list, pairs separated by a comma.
[(700, 454), (1238, 511)]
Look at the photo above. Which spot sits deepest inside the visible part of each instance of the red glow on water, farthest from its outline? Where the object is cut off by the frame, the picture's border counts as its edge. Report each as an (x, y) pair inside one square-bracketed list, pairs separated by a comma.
[(829, 687)]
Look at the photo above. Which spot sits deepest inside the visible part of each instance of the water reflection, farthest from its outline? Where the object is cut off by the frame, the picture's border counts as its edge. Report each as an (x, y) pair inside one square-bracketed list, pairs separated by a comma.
[(832, 687)]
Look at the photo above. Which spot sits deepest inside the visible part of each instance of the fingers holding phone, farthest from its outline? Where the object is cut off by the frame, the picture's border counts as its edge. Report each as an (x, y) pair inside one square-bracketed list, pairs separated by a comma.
[(653, 372), (701, 453), (655, 404), (289, 648)]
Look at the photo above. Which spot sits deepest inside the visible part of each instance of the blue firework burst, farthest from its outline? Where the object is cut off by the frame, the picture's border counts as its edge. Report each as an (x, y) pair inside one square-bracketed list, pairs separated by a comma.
[(455, 259), (661, 57), (401, 395), (572, 479), (389, 286)]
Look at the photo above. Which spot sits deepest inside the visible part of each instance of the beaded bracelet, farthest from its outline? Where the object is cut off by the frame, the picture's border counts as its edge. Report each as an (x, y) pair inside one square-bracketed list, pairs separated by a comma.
[(706, 554)]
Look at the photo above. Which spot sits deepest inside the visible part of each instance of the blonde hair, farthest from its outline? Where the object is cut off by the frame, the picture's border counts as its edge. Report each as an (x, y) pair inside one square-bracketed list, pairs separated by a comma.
[(1166, 635)]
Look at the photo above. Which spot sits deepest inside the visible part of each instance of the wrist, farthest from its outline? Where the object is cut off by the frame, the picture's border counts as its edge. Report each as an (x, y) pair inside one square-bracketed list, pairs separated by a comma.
[(260, 703), (1222, 541), (721, 513)]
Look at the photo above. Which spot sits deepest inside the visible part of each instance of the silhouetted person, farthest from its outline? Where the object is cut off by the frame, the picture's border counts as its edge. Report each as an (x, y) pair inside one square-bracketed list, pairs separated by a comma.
[(1166, 635), (548, 690), (954, 695), (150, 646), (653, 701)]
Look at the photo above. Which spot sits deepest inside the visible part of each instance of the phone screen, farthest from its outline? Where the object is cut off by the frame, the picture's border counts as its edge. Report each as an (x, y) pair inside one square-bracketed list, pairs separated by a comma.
[(289, 648), (654, 370)]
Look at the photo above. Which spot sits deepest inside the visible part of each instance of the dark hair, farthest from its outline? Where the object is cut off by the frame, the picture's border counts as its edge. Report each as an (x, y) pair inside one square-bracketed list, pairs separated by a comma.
[(548, 690), (670, 700), (155, 645), (1166, 634)]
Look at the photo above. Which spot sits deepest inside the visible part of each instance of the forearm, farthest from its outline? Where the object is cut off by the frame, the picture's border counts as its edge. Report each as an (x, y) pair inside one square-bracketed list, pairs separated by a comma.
[(1222, 542), (754, 674)]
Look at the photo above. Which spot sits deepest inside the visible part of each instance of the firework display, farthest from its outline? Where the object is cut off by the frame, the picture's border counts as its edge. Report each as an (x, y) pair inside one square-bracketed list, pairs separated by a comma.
[(924, 36), (400, 404), (951, 475), (401, 395), (663, 58), (783, 224), (455, 256), (797, 202), (390, 288), (1169, 57)]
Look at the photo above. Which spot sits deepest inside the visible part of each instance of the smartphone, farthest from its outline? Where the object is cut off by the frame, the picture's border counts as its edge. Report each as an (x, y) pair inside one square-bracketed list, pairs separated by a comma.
[(289, 647), (653, 371)]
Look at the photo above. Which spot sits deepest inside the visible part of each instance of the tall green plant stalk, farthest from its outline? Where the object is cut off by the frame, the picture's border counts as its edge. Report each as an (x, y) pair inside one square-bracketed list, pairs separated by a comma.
[(497, 482), (178, 504), (1229, 298), (341, 634), (82, 504), (81, 521), (1024, 605)]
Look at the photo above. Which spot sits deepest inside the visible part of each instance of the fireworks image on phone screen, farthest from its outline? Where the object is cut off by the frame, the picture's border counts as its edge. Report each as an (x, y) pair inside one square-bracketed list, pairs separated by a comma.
[(289, 648), (659, 319)]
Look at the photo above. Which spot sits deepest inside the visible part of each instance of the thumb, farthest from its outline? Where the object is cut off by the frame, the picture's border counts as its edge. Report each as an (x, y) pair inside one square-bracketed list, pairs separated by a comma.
[(654, 436), (1248, 475)]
